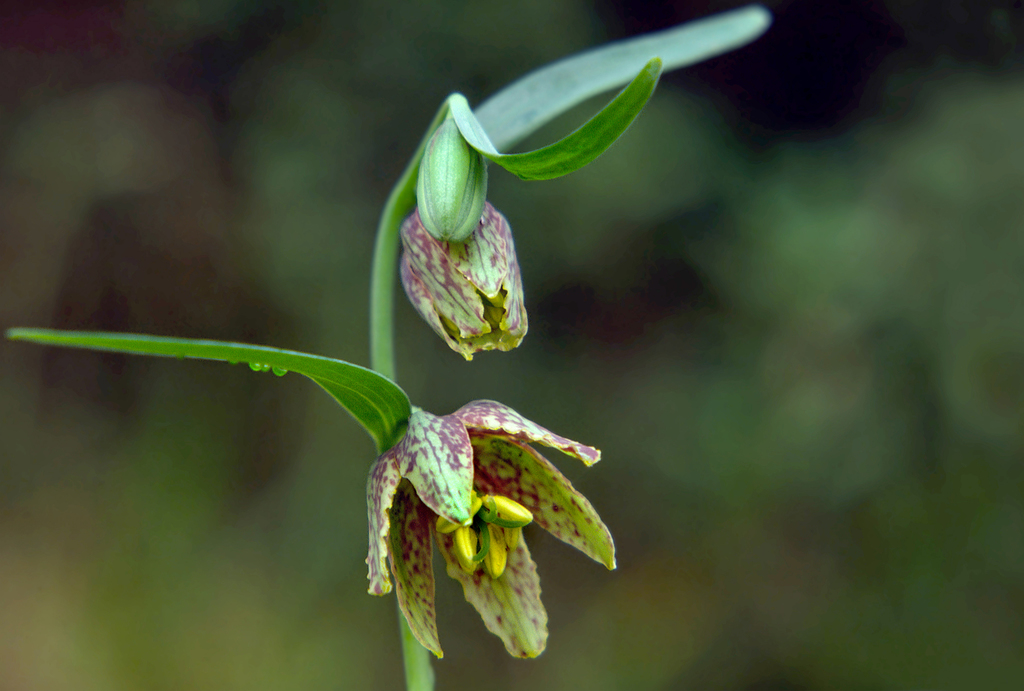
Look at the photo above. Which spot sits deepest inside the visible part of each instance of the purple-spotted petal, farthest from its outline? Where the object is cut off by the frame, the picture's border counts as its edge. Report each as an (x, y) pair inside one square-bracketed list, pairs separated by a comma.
[(380, 491), (419, 296), (451, 294), (510, 606), (485, 260), (514, 320), (518, 472), (411, 552), (436, 456), (491, 416)]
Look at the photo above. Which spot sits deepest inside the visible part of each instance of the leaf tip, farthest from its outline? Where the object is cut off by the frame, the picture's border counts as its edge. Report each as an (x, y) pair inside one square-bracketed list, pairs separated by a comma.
[(18, 333), (757, 18)]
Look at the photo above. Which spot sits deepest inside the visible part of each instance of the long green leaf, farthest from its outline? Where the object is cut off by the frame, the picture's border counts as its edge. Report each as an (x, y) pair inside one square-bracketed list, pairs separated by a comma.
[(376, 402), (533, 100), (574, 151)]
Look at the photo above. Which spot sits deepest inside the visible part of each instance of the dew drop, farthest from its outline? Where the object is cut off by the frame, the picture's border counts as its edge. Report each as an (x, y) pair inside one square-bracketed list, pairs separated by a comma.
[(279, 371), (255, 366), (264, 368)]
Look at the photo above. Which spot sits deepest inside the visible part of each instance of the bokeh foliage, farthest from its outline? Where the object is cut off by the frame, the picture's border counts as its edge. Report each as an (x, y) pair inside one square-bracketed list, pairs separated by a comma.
[(802, 358)]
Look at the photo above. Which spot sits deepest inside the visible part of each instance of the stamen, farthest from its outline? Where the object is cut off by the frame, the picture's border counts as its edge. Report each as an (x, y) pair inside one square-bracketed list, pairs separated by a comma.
[(465, 548), (512, 537), (445, 526), (497, 556), (505, 512)]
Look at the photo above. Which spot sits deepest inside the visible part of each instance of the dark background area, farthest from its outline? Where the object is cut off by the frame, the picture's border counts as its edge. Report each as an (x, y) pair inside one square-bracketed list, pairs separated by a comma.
[(788, 306)]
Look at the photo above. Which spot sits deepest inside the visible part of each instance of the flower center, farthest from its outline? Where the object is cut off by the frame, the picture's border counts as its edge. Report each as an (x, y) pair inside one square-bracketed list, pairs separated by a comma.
[(494, 532)]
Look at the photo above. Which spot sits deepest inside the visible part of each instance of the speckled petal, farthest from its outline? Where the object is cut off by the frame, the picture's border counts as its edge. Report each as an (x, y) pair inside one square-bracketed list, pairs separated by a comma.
[(491, 416), (484, 259), (510, 606), (436, 456), (452, 295), (514, 321), (411, 552), (380, 491), (518, 472), (419, 296)]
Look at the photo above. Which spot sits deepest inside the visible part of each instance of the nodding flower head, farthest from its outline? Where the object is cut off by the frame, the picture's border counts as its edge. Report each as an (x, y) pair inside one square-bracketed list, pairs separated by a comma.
[(471, 481), (469, 292)]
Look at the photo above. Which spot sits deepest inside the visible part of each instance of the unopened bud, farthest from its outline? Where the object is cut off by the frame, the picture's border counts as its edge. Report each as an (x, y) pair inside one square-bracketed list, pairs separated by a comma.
[(451, 186)]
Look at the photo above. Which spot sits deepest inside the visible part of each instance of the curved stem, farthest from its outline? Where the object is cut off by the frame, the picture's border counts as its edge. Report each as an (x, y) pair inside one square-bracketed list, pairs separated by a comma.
[(418, 674), (385, 260)]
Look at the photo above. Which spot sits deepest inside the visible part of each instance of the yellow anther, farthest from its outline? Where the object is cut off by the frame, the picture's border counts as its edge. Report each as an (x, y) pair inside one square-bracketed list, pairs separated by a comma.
[(465, 548), (497, 555), (512, 537), (512, 511), (476, 504), (445, 526)]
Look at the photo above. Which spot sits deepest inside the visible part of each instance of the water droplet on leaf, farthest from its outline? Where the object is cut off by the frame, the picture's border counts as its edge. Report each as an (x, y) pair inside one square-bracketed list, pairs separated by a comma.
[(255, 366), (280, 371)]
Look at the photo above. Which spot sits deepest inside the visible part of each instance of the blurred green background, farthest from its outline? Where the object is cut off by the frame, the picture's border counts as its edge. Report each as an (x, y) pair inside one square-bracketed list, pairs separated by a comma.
[(788, 306)]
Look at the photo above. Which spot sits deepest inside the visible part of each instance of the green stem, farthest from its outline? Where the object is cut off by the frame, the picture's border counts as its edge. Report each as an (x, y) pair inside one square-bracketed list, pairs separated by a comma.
[(418, 674), (385, 259)]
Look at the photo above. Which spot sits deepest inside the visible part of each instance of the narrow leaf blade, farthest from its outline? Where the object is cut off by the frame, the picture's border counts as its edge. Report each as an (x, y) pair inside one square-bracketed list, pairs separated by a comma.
[(533, 100), (376, 402)]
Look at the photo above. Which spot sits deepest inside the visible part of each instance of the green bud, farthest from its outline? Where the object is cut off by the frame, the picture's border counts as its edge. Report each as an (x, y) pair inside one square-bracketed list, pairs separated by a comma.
[(451, 186)]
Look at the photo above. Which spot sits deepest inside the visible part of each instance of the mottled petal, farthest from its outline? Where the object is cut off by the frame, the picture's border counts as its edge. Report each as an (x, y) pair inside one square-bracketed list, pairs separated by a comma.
[(491, 416), (485, 259), (380, 491), (514, 321), (419, 296), (510, 606), (436, 456), (452, 295), (518, 472), (411, 552)]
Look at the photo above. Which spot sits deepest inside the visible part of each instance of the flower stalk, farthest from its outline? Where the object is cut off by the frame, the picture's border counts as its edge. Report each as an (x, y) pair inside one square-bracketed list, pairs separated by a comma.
[(419, 675)]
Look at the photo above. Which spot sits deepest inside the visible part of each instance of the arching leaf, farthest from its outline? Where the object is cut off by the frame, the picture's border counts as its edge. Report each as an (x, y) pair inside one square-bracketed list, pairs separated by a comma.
[(377, 403), (534, 99), (574, 151)]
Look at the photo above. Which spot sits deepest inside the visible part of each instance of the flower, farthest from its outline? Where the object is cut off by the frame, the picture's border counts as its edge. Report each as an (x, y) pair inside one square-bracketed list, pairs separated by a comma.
[(467, 477), (469, 292)]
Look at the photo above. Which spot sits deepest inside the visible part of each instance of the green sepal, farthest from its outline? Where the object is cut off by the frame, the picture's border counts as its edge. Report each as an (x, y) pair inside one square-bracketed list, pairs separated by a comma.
[(376, 402)]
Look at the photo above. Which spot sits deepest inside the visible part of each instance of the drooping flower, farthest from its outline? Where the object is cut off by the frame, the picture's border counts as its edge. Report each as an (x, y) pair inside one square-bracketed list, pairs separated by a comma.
[(469, 292), (470, 481)]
